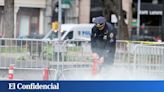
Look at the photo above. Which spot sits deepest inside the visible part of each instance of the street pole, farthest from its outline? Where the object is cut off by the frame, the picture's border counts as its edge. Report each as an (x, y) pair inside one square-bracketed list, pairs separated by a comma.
[(59, 37), (138, 17), (59, 18), (162, 31), (119, 18)]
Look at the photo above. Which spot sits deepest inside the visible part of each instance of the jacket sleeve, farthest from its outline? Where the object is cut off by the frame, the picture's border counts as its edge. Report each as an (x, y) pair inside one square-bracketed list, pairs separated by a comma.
[(93, 40), (111, 41)]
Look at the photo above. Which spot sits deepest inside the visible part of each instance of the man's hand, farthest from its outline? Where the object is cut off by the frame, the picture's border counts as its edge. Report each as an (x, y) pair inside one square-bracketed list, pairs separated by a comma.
[(99, 60), (95, 56)]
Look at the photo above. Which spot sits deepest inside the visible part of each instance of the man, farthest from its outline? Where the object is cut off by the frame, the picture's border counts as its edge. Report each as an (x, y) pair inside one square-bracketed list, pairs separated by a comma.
[(103, 40)]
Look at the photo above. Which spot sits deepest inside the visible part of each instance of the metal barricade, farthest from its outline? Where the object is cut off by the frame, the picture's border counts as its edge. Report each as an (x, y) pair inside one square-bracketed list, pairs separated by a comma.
[(70, 70), (36, 54), (149, 61), (143, 59), (122, 55), (30, 53), (77, 51), (74, 57), (23, 53)]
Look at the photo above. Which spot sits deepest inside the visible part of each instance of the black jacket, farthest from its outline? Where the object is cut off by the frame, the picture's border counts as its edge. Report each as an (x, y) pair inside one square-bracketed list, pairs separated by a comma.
[(103, 40)]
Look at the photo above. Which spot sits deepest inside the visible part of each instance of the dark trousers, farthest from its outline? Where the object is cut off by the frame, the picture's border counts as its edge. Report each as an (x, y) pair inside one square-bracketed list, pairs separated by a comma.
[(108, 55), (108, 58)]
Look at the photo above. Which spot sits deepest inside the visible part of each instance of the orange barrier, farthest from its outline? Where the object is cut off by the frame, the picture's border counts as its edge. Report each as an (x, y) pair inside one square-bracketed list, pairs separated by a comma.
[(11, 72), (46, 74)]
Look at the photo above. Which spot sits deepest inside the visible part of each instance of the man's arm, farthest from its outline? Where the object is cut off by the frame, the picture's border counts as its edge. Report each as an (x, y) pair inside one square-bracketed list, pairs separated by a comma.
[(93, 39), (111, 41)]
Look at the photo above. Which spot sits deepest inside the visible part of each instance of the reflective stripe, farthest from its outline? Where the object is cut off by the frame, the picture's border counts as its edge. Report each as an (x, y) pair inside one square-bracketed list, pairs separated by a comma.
[(11, 71)]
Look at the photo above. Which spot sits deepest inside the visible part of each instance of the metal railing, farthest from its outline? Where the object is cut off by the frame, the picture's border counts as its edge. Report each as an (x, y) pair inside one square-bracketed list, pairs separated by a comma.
[(142, 58), (70, 55), (149, 59), (35, 53)]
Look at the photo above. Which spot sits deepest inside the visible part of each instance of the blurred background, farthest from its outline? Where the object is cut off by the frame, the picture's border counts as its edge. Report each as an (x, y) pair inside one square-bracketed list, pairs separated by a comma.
[(134, 19)]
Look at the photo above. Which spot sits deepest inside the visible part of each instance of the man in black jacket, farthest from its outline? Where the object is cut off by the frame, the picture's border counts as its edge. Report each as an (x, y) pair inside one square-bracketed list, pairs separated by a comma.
[(103, 40)]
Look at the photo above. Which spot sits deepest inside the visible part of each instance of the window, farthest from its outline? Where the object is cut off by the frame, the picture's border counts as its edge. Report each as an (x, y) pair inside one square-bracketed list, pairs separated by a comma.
[(149, 1), (144, 1), (34, 24), (28, 21), (53, 35), (69, 35)]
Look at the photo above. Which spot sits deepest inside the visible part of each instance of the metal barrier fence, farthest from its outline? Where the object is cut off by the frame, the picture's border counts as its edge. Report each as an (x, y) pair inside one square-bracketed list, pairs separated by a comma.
[(67, 56), (149, 59), (75, 57), (28, 53), (35, 53), (141, 58)]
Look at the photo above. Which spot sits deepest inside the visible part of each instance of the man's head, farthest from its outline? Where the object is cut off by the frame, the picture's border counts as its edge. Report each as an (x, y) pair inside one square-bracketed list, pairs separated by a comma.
[(100, 22)]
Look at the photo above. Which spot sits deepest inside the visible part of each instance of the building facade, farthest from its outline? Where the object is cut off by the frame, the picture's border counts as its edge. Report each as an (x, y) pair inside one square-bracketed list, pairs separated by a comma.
[(29, 17), (73, 11), (96, 10), (36, 16), (150, 16)]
